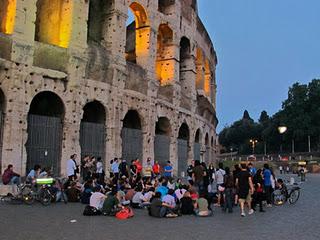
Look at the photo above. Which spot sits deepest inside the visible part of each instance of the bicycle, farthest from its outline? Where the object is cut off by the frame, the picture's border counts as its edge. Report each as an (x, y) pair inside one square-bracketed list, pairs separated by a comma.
[(284, 194), (23, 195)]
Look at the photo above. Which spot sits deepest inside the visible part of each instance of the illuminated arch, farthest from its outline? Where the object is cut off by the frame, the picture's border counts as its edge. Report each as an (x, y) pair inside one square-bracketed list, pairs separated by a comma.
[(199, 67), (7, 15), (207, 80), (165, 62), (54, 22), (138, 35)]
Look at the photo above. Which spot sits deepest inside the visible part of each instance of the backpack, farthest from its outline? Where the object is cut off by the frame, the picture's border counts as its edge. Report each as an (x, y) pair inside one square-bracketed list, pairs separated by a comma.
[(125, 213), (90, 211)]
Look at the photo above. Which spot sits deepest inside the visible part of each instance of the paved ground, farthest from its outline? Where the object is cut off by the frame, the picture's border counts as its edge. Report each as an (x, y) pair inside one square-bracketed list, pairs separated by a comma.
[(299, 221)]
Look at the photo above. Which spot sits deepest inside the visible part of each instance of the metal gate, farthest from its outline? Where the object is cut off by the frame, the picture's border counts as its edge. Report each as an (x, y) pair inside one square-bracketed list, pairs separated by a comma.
[(162, 149), (44, 142), (92, 139), (182, 156), (1, 137), (131, 143), (196, 151), (207, 155)]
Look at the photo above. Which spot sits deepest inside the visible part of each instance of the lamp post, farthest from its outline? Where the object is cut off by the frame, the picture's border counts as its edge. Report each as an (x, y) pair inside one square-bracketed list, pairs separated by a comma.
[(282, 130), (253, 144)]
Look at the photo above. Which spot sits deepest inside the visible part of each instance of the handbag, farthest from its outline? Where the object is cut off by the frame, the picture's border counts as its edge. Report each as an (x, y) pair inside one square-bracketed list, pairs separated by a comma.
[(124, 213)]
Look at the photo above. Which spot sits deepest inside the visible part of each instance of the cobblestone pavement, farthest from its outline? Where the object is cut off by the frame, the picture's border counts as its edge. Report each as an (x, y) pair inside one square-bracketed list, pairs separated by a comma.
[(299, 221)]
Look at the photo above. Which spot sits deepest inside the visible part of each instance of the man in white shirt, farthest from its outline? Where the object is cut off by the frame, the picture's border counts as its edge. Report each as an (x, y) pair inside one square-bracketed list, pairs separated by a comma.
[(115, 170), (219, 175), (97, 199), (71, 168)]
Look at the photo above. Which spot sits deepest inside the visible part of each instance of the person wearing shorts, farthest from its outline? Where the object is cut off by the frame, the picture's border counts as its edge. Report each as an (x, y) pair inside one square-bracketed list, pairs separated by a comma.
[(245, 188)]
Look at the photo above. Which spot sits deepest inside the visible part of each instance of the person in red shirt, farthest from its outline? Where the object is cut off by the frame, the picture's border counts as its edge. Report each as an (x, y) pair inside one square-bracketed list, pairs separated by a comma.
[(156, 169), (10, 177), (138, 167)]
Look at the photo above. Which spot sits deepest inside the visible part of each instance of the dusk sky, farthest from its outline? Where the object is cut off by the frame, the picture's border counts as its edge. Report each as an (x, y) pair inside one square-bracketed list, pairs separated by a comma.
[(263, 47)]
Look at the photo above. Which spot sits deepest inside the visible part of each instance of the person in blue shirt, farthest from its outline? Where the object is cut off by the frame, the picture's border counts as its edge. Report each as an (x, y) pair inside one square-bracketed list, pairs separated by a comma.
[(168, 170), (267, 183), (163, 189), (252, 169)]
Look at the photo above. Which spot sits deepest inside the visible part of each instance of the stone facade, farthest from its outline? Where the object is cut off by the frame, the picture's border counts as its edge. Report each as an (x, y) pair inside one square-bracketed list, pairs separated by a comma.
[(79, 51)]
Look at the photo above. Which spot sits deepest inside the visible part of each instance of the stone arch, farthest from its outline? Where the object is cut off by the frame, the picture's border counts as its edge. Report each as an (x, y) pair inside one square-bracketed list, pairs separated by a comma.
[(131, 134), (45, 126), (162, 140), (54, 22), (165, 55), (200, 69), (166, 6), (137, 34), (185, 73), (197, 145), (7, 16), (93, 130), (183, 147), (97, 18), (207, 81)]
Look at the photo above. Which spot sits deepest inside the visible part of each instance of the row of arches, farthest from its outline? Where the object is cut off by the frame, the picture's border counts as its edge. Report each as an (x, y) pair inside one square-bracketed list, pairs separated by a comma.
[(53, 25), (45, 126)]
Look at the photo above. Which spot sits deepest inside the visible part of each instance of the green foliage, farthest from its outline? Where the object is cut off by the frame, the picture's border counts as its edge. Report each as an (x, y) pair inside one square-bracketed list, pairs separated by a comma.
[(300, 113)]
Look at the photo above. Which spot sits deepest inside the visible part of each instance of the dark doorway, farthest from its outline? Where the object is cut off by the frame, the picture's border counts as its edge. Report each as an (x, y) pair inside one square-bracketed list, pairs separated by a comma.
[(183, 149), (162, 141), (197, 146)]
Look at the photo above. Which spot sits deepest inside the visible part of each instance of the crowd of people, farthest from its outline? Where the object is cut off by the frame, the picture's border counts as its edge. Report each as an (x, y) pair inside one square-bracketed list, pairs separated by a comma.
[(153, 187)]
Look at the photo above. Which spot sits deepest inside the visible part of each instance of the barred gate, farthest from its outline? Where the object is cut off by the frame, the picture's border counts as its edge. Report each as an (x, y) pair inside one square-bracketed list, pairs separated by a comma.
[(196, 151), (44, 142), (92, 139), (162, 149), (182, 156), (131, 143), (1, 137), (207, 155)]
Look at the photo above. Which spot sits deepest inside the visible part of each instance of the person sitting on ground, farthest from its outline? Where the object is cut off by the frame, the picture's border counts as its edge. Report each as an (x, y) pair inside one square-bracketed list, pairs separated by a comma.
[(180, 192), (33, 174), (186, 204), (160, 209), (147, 196), (10, 177), (202, 207), (170, 204), (87, 191), (163, 189), (97, 199), (111, 204), (73, 192), (137, 199)]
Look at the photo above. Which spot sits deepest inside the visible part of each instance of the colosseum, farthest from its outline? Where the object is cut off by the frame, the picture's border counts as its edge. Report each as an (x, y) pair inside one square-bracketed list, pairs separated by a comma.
[(77, 77)]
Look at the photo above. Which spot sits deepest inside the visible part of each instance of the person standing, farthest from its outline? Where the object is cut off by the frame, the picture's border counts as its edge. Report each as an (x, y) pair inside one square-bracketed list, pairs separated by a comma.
[(71, 168), (258, 194), (147, 170), (219, 175), (228, 192), (267, 183), (99, 169), (123, 168), (197, 176), (115, 170), (156, 169), (190, 172), (280, 169), (246, 189), (168, 170)]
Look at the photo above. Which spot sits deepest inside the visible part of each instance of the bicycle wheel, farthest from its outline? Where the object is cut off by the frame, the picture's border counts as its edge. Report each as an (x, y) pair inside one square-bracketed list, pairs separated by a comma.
[(278, 198), (27, 195), (294, 196), (45, 197)]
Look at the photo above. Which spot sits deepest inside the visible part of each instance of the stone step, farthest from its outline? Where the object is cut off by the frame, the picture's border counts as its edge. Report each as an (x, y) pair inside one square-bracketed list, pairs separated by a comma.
[(5, 189)]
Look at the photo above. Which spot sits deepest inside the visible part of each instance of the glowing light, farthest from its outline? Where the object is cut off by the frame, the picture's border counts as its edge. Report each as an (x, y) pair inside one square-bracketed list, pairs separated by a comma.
[(207, 81), (54, 20), (200, 72), (282, 129), (7, 15)]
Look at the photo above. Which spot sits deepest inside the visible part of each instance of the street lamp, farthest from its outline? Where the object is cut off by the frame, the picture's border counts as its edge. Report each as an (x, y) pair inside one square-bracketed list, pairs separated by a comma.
[(282, 130), (253, 144)]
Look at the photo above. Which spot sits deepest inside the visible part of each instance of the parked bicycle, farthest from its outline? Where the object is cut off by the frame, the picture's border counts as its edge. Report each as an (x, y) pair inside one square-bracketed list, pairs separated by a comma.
[(22, 194), (285, 193)]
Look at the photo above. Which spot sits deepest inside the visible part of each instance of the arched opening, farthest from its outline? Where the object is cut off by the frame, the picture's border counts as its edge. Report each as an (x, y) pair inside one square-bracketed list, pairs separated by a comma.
[(166, 6), (165, 56), (7, 15), (185, 69), (2, 115), (199, 69), (138, 33), (197, 146), (207, 81), (162, 141), (183, 148), (131, 134), (54, 22), (98, 11), (45, 126), (207, 145), (92, 130)]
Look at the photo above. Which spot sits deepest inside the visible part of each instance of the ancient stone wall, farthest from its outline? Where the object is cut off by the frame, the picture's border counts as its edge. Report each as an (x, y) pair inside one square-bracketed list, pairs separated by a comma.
[(74, 51)]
